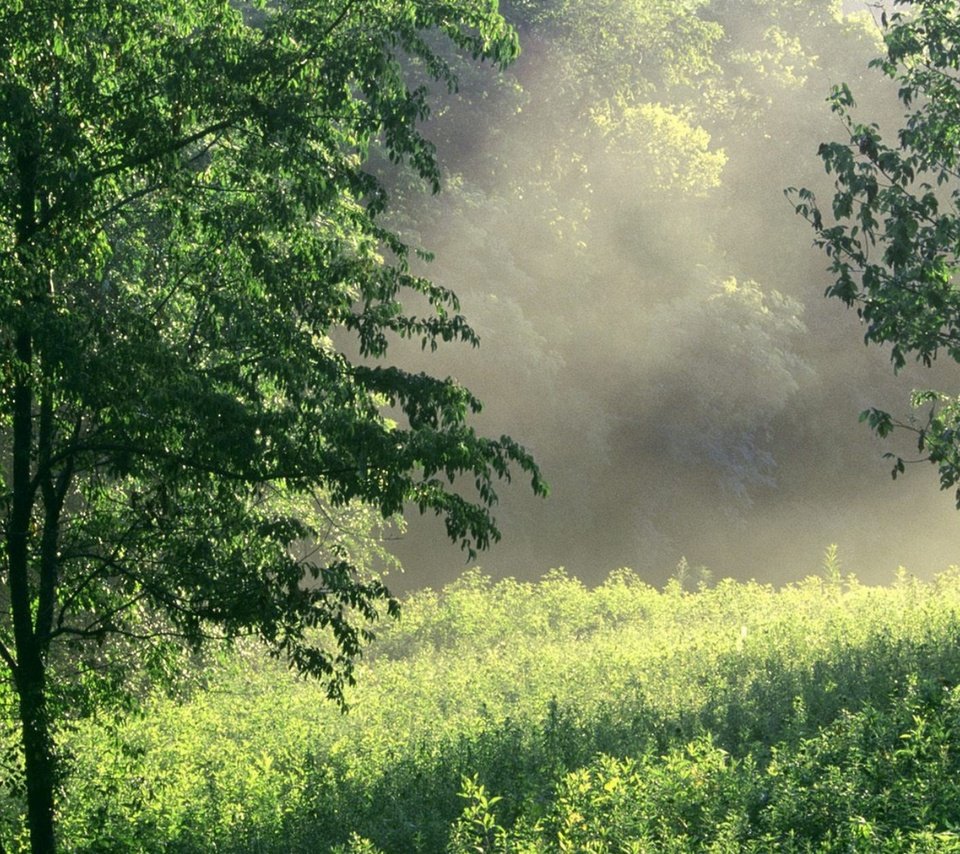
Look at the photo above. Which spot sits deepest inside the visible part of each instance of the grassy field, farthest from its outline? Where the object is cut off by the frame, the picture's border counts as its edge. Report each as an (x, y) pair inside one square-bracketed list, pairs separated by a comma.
[(549, 717)]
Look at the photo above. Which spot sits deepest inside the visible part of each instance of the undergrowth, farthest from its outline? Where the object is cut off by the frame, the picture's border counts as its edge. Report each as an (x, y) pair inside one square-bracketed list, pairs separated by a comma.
[(548, 717)]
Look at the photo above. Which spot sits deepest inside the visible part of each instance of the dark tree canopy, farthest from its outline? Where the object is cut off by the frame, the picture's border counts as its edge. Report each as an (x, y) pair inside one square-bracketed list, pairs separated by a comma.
[(189, 251), (894, 234)]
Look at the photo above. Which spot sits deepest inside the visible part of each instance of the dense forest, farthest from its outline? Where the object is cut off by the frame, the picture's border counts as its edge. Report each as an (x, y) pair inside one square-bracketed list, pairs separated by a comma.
[(649, 306), (260, 263)]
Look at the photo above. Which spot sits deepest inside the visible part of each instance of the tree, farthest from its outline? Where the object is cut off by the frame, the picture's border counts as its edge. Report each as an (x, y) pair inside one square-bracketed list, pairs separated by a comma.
[(190, 252), (894, 237)]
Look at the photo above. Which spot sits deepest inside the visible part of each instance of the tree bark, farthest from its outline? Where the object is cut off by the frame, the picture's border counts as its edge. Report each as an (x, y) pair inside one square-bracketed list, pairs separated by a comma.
[(30, 641), (38, 754), (30, 672)]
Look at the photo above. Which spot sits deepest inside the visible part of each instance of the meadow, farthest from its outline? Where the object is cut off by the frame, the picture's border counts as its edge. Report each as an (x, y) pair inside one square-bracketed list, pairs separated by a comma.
[(549, 717)]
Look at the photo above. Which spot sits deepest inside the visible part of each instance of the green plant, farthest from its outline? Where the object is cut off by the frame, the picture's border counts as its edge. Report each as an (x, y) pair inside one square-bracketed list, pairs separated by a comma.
[(476, 831)]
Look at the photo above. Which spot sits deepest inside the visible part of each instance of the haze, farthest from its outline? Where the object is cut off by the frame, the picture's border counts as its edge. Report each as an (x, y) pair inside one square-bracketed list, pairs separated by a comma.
[(651, 309)]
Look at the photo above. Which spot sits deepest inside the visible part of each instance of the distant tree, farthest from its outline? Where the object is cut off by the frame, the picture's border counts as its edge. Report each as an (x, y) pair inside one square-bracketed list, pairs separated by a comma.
[(190, 252), (894, 235)]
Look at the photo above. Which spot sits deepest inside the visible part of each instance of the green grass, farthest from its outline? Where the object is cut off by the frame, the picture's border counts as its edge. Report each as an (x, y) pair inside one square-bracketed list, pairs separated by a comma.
[(549, 717)]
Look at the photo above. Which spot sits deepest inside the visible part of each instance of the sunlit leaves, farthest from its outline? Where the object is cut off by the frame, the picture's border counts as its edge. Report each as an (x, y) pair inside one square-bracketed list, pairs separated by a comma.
[(621, 717), (661, 144)]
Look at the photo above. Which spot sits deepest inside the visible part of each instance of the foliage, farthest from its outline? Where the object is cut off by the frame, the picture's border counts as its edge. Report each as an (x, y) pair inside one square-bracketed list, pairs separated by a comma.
[(476, 830), (197, 295), (894, 235), (677, 155), (552, 717)]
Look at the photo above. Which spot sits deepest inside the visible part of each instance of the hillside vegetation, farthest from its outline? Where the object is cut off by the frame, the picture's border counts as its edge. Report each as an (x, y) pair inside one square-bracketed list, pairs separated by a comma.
[(516, 717)]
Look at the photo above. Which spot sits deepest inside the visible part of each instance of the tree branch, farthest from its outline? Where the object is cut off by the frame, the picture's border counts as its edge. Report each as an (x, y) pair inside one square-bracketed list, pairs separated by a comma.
[(8, 659)]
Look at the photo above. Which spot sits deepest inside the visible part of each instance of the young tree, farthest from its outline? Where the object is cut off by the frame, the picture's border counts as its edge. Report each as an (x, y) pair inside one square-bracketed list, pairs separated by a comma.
[(189, 253), (894, 236)]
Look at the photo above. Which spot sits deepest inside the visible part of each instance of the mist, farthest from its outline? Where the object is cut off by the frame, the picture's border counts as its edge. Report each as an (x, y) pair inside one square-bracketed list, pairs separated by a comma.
[(651, 309)]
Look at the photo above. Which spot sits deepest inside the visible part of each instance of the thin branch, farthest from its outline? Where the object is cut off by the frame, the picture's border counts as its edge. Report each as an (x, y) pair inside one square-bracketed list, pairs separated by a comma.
[(313, 53), (93, 634), (192, 463), (8, 659), (171, 148), (101, 620), (104, 561)]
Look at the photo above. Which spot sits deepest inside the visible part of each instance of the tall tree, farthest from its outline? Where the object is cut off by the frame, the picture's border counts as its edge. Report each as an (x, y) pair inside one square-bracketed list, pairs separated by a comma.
[(894, 235), (190, 251)]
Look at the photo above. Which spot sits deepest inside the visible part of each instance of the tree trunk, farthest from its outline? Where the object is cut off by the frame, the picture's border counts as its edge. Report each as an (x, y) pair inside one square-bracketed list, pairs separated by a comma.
[(30, 640), (38, 754), (30, 668)]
